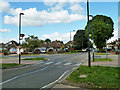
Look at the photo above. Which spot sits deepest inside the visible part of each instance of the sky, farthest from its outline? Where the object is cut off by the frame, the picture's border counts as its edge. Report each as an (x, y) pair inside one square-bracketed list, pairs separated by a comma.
[(53, 20)]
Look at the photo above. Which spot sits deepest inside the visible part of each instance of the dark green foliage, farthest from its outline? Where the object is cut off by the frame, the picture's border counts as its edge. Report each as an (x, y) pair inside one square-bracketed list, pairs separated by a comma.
[(103, 27), (80, 40), (5, 51), (48, 41)]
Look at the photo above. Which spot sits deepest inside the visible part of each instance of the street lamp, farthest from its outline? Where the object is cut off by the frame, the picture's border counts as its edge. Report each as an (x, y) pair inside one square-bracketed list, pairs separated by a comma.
[(70, 38), (92, 36), (19, 36), (89, 62)]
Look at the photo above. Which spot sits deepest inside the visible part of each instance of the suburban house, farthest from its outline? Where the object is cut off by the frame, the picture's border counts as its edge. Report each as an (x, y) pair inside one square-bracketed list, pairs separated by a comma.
[(69, 45), (114, 46), (2, 46), (12, 47)]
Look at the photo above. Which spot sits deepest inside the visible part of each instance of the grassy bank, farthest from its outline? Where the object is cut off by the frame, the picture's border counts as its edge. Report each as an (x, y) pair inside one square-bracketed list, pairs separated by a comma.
[(8, 65), (37, 58), (101, 54), (97, 76), (102, 59), (3, 57)]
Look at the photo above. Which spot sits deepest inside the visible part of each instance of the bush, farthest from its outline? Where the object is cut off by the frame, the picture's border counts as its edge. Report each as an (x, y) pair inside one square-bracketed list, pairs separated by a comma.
[(102, 50), (5, 51)]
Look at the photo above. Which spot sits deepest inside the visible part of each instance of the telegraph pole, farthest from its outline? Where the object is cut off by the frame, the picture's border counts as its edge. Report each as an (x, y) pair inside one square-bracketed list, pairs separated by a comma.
[(89, 62)]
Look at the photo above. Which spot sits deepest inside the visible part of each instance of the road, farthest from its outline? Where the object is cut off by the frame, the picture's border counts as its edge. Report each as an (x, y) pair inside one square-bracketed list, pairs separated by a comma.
[(42, 74)]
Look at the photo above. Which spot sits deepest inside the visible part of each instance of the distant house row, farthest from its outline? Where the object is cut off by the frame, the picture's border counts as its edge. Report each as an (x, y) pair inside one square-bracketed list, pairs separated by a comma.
[(114, 45), (13, 47)]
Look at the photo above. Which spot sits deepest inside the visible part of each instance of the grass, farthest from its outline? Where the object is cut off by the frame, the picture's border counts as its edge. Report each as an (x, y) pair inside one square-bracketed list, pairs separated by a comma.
[(102, 59), (37, 58), (30, 54), (8, 65), (3, 57), (101, 54), (98, 76)]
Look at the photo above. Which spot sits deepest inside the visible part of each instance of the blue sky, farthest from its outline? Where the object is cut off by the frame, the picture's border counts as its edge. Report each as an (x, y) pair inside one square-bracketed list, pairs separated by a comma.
[(52, 20)]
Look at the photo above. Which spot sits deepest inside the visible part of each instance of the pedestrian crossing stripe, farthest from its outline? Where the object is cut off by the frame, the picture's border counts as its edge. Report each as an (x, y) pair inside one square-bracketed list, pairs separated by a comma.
[(58, 63), (49, 63), (78, 64), (67, 63)]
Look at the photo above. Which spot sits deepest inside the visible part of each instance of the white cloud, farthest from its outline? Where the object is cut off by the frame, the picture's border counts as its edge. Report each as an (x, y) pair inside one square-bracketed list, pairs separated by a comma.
[(114, 37), (77, 8), (58, 36), (5, 30), (4, 6), (33, 17)]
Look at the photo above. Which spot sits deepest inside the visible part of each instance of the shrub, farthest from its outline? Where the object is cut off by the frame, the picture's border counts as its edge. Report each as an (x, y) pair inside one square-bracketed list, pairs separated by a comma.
[(5, 51)]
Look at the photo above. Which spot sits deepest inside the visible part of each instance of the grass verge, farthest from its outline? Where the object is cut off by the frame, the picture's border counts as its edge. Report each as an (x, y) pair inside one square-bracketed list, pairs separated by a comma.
[(37, 58), (3, 57), (8, 65), (102, 59), (30, 54), (97, 76), (101, 54)]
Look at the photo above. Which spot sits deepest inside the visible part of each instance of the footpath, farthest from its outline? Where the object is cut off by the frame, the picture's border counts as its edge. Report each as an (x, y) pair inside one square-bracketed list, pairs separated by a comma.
[(114, 63)]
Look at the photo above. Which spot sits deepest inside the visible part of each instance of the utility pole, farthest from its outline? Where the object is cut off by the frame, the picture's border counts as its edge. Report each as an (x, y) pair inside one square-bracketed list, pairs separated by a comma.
[(89, 62), (92, 36), (19, 36)]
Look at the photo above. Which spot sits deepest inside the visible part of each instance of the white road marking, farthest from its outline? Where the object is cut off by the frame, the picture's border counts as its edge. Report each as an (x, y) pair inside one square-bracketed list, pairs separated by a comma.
[(38, 63), (78, 64), (49, 63), (56, 80), (58, 63), (22, 75), (67, 63)]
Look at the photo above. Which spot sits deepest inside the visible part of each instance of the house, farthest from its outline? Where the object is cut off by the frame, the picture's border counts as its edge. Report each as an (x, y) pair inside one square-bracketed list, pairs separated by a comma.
[(69, 45), (53, 46), (12, 47), (56, 45), (114, 46)]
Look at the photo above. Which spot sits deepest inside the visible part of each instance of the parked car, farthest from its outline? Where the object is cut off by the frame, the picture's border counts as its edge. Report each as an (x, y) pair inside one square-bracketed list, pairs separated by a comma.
[(37, 51)]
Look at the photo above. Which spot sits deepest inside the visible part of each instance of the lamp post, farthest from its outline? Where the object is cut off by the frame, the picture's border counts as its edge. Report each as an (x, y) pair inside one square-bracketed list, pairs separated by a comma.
[(70, 39), (92, 36), (106, 49), (89, 62), (19, 36)]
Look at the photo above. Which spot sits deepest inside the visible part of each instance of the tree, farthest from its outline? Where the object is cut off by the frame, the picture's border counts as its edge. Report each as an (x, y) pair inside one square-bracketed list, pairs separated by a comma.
[(31, 42), (80, 40), (102, 29), (48, 41)]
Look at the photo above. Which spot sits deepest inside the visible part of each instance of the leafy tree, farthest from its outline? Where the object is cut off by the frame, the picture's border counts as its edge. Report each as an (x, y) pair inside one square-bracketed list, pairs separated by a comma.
[(31, 42), (80, 40), (48, 41), (102, 29)]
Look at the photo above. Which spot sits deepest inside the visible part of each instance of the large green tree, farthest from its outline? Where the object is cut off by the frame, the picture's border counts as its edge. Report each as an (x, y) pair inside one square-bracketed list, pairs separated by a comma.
[(31, 42), (80, 40), (103, 27)]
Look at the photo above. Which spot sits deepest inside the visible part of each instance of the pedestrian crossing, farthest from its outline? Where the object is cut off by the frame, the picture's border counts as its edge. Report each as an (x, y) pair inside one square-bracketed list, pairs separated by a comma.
[(59, 63)]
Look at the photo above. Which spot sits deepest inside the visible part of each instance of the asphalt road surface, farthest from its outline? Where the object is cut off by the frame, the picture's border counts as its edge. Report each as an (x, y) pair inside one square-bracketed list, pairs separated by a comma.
[(43, 74)]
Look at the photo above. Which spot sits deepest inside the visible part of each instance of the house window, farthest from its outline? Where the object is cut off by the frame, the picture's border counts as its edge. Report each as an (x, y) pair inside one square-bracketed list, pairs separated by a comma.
[(12, 49)]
